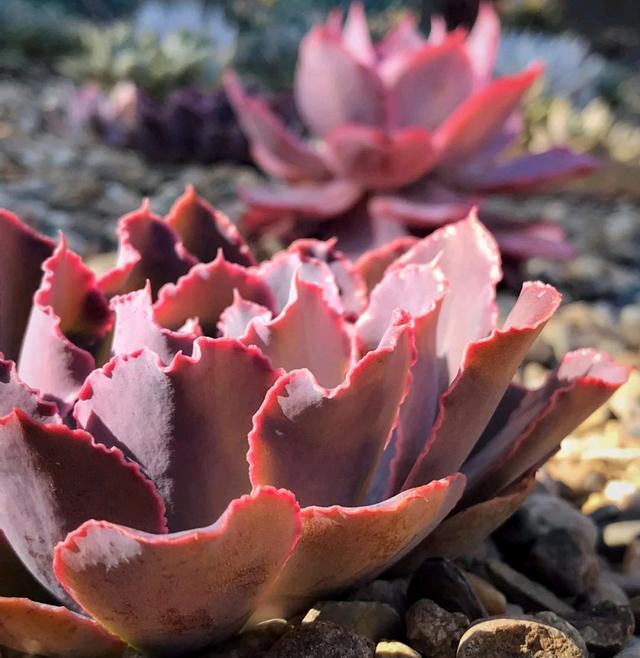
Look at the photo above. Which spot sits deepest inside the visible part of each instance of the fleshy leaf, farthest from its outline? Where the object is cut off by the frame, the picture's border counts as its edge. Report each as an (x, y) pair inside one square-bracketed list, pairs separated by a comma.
[(464, 531), (530, 170), (15, 579), (488, 366), (430, 84), (298, 437), (482, 42), (309, 333), (278, 151), (235, 319), (281, 271), (135, 328), (355, 36), (69, 317), (425, 205), (306, 200), (186, 424), (373, 264), (521, 240), (22, 252), (149, 249), (402, 37), (478, 120), (470, 261), (15, 394), (54, 631), (48, 478), (341, 546), (204, 230), (206, 291), (528, 426), (333, 88), (419, 290), (378, 159), (180, 592), (351, 286)]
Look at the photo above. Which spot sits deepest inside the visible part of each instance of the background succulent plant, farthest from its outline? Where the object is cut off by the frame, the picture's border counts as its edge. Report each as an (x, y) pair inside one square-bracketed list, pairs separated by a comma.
[(152, 84), (393, 156), (194, 440)]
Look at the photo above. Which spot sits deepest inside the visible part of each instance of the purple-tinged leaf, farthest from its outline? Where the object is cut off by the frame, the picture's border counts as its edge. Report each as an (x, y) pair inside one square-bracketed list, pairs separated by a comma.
[(532, 240), (378, 159), (235, 319), (54, 631), (418, 290), (351, 286), (278, 151), (297, 441), (373, 264), (356, 37), (149, 249), (185, 424), (481, 118), (333, 88), (482, 42), (464, 531), (204, 230), (309, 333), (306, 200), (487, 368), (15, 394), (341, 547), (281, 271), (48, 478), (529, 425), (69, 317), (414, 288), (530, 170), (425, 205), (22, 252), (174, 593), (430, 83), (135, 328), (205, 291), (15, 579), (469, 258), (403, 37)]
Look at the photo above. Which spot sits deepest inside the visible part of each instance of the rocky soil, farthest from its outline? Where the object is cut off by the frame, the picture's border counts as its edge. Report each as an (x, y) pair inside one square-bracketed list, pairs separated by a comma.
[(562, 577)]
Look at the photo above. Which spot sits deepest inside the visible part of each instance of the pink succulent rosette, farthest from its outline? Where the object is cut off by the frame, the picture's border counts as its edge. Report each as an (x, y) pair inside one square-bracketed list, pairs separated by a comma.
[(195, 441), (407, 134)]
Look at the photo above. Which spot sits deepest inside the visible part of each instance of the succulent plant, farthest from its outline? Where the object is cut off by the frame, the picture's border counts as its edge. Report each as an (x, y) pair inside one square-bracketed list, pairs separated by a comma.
[(155, 63), (572, 70), (194, 441), (409, 133)]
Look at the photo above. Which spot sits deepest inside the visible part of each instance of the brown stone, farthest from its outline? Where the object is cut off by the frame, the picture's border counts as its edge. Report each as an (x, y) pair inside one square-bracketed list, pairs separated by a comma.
[(516, 638), (322, 640), (434, 631)]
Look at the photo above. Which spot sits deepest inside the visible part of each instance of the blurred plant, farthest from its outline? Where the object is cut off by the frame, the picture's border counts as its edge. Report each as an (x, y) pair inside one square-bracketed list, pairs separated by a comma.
[(34, 31), (376, 396), (152, 84), (408, 134), (156, 63), (571, 69), (594, 128)]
